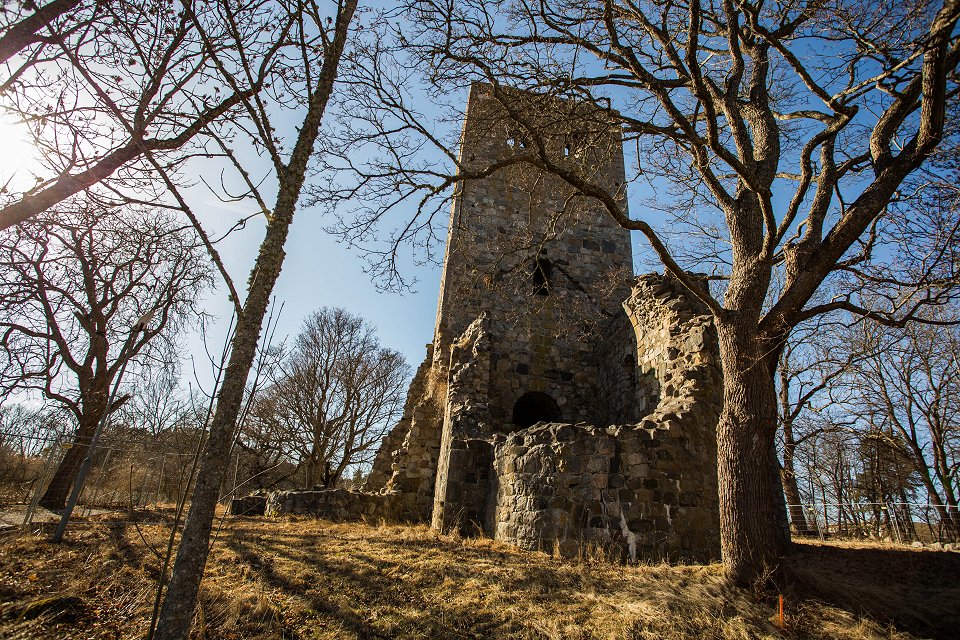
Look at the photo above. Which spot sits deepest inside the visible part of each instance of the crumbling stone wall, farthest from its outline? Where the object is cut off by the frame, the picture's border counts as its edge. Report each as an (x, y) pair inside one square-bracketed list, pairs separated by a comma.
[(339, 504), (622, 397), (457, 496), (644, 491), (252, 505), (391, 449), (407, 462)]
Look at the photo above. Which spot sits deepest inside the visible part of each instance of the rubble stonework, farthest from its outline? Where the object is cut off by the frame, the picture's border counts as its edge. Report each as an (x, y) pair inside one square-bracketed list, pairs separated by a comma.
[(407, 461), (647, 490), (562, 406), (337, 504)]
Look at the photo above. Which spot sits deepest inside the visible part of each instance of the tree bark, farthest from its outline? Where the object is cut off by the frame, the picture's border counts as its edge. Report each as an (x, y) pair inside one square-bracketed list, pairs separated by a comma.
[(24, 33), (752, 539), (176, 615), (57, 491)]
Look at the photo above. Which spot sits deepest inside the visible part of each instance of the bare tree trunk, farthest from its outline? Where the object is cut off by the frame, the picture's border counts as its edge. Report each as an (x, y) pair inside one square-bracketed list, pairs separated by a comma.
[(790, 409), (788, 474), (791, 490), (176, 614), (752, 539), (24, 33), (943, 506), (55, 495)]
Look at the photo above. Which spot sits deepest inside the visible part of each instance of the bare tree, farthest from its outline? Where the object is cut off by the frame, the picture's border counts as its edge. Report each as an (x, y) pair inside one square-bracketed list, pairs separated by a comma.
[(780, 161), (157, 402), (266, 455), (26, 433), (335, 395), (819, 364), (110, 90), (886, 482), (73, 286), (909, 387), (804, 374), (304, 44)]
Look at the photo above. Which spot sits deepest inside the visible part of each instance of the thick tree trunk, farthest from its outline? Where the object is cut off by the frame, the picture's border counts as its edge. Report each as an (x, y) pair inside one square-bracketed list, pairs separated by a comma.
[(55, 495), (753, 539), (310, 473)]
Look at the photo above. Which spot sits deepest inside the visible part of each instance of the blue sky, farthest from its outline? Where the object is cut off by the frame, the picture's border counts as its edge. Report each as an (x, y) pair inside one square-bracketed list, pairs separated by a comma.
[(320, 271)]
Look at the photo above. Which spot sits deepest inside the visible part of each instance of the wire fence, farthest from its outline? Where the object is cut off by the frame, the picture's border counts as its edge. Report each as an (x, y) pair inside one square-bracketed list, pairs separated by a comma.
[(131, 476), (144, 472), (902, 522)]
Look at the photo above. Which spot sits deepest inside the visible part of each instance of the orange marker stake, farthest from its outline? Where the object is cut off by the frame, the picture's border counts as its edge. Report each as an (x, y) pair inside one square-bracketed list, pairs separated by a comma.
[(781, 611)]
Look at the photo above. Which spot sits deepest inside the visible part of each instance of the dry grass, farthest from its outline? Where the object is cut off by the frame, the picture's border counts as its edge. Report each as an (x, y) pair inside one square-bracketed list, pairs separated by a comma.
[(312, 579)]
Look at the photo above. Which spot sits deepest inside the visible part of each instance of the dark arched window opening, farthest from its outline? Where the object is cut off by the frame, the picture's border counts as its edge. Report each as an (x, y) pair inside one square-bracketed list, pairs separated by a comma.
[(535, 407), (542, 270)]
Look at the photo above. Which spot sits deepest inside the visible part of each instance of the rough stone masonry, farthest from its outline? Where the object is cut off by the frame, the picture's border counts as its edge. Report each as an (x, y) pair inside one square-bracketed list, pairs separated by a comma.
[(564, 405)]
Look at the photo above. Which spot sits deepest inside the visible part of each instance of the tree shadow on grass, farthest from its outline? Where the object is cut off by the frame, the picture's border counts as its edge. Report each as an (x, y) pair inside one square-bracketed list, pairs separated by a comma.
[(917, 590), (345, 586), (377, 585), (262, 559)]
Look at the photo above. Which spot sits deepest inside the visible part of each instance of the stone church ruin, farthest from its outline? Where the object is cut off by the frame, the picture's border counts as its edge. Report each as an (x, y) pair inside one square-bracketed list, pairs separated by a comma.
[(563, 403)]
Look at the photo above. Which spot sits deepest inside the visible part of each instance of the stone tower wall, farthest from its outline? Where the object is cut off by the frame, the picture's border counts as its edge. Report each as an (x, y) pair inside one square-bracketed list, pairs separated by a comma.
[(500, 226)]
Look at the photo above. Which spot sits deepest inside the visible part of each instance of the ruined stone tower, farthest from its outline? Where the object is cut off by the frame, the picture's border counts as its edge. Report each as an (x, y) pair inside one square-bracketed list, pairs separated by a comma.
[(563, 402)]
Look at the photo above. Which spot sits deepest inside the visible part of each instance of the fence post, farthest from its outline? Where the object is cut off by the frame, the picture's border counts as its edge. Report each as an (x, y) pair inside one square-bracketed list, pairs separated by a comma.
[(156, 496), (41, 482), (142, 498)]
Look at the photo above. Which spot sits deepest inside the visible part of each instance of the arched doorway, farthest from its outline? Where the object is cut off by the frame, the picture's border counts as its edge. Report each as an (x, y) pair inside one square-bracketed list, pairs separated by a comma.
[(535, 407)]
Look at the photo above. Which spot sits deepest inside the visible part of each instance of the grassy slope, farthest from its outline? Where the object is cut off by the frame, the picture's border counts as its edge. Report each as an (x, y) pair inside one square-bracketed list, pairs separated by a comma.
[(314, 579)]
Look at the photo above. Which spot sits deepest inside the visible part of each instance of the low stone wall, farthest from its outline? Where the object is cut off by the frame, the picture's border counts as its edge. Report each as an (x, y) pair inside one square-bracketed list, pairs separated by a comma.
[(248, 506), (338, 505), (631, 492)]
